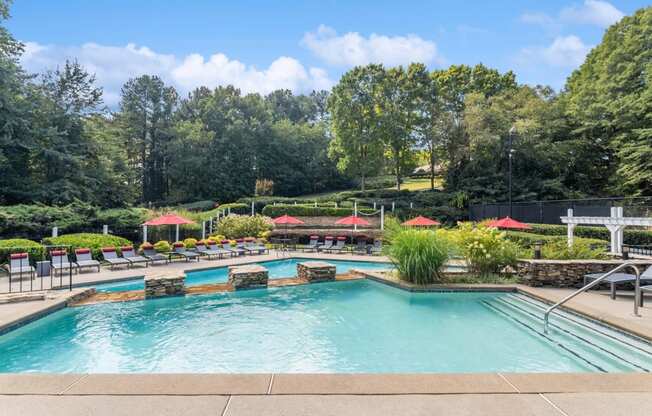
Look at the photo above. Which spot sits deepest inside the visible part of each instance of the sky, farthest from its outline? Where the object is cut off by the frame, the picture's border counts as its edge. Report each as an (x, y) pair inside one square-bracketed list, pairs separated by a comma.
[(260, 46)]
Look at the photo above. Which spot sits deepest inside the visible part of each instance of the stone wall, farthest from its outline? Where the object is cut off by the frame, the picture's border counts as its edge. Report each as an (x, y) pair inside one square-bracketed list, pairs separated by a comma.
[(165, 286), (315, 271), (566, 273), (248, 276)]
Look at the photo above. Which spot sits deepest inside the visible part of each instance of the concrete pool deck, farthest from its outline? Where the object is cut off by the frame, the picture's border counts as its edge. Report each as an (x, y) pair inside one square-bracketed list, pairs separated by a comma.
[(327, 394)]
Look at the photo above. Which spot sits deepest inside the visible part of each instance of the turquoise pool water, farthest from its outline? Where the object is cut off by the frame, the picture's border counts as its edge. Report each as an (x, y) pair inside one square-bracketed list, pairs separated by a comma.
[(277, 269), (353, 326)]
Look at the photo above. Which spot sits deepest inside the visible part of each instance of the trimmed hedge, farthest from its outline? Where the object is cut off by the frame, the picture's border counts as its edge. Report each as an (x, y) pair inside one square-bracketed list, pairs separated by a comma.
[(632, 236), (310, 211), (88, 240), (18, 245), (527, 240)]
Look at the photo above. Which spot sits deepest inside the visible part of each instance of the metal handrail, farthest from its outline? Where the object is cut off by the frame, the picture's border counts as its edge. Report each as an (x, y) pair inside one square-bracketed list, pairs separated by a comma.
[(637, 292)]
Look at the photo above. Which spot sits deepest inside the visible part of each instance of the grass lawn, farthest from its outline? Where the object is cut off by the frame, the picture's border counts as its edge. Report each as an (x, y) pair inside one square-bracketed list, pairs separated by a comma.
[(419, 184)]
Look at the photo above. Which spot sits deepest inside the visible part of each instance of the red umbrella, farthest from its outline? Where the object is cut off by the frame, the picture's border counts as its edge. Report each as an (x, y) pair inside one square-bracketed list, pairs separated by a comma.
[(421, 222), (508, 223), (167, 219), (352, 220), (286, 219)]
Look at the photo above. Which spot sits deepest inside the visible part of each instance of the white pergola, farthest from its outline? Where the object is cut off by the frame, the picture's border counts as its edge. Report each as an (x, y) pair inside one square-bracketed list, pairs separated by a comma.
[(616, 223)]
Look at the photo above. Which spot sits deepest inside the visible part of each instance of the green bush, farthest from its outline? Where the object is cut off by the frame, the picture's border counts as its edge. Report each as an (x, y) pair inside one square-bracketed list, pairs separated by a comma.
[(88, 240), (631, 235), (240, 226), (419, 255), (190, 242), (310, 211), (19, 245), (36, 221), (236, 208), (162, 247), (487, 250), (582, 249), (120, 218)]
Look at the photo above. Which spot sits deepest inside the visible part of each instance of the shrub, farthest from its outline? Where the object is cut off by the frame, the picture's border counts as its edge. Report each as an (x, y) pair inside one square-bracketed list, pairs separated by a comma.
[(582, 249), (88, 240), (419, 255), (18, 245), (162, 246), (35, 221), (310, 211), (240, 226), (190, 242), (486, 250), (120, 218), (631, 235)]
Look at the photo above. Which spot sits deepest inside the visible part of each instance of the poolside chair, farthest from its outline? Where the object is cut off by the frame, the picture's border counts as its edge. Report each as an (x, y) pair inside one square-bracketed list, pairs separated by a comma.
[(19, 265), (238, 249), (217, 248), (328, 243), (111, 256), (377, 248), (179, 249), (339, 245), (203, 250), (153, 255), (361, 246), (59, 261), (619, 278), (313, 244), (84, 259), (254, 248), (129, 253)]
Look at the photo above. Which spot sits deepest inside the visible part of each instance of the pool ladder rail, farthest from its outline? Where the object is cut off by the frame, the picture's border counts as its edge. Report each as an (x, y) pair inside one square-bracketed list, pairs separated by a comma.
[(637, 291)]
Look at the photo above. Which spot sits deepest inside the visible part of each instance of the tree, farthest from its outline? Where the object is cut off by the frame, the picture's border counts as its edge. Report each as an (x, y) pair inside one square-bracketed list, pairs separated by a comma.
[(356, 146), (146, 115)]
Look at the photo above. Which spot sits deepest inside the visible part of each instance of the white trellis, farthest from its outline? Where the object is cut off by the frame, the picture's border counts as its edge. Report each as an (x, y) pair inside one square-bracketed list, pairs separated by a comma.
[(616, 224)]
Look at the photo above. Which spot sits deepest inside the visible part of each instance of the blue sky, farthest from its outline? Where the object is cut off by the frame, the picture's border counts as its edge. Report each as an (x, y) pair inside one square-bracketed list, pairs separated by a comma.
[(302, 45)]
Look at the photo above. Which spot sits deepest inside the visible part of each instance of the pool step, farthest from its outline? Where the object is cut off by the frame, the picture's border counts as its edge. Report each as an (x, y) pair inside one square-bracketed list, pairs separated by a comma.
[(611, 347), (606, 352)]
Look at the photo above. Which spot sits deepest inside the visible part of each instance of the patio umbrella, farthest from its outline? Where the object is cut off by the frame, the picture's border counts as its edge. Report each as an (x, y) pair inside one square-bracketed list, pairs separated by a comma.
[(167, 219), (508, 223), (352, 220), (285, 220), (421, 222)]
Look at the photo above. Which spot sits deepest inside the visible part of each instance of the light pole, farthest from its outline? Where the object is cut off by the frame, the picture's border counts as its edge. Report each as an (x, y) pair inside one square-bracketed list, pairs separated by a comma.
[(512, 133)]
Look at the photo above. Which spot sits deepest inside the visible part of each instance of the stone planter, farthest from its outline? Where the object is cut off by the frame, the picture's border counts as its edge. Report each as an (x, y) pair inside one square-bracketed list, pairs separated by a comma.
[(566, 273), (248, 276), (165, 286), (316, 271)]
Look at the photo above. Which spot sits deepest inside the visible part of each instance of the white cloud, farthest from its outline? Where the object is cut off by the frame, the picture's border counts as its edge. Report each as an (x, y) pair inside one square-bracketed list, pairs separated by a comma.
[(564, 51), (114, 65), (594, 12), (352, 48), (591, 12)]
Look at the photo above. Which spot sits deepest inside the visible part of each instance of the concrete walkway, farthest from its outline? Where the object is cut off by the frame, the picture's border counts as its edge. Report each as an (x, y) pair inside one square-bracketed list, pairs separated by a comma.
[(327, 394)]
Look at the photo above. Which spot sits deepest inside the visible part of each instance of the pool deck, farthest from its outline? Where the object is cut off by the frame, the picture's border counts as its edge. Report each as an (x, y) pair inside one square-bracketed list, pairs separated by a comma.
[(327, 394)]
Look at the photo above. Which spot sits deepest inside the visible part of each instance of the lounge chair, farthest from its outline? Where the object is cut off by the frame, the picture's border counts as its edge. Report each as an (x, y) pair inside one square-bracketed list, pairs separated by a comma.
[(111, 256), (328, 243), (179, 249), (153, 255), (238, 249), (377, 248), (217, 248), (254, 248), (59, 261), (339, 245), (203, 250), (84, 259), (619, 278), (19, 265), (313, 244), (361, 246), (129, 253)]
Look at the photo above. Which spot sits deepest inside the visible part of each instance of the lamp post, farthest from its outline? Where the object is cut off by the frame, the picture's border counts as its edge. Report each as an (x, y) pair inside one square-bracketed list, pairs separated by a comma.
[(512, 133)]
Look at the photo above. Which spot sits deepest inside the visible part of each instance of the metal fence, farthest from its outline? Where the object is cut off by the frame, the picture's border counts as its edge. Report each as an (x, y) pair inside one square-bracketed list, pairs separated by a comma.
[(35, 271), (549, 212)]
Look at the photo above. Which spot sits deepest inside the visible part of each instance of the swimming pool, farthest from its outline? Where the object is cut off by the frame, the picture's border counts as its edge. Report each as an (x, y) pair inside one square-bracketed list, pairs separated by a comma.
[(342, 327), (277, 269)]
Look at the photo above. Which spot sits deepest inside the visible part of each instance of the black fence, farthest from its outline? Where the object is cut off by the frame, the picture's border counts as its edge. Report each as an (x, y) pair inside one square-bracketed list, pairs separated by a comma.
[(30, 269), (549, 212)]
